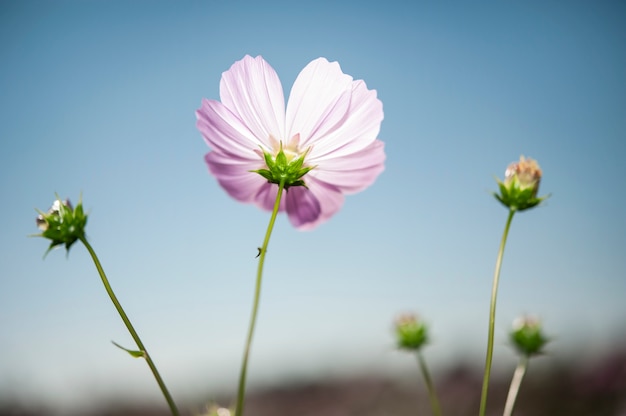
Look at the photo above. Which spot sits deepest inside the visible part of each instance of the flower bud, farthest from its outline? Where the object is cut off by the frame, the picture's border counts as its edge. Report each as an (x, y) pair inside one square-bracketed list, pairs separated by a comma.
[(62, 224), (521, 184), (411, 332), (527, 337)]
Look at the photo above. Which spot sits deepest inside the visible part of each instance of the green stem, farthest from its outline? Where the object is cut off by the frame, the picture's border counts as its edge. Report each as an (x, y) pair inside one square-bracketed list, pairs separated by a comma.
[(492, 315), (130, 328), (434, 402), (516, 382), (241, 392)]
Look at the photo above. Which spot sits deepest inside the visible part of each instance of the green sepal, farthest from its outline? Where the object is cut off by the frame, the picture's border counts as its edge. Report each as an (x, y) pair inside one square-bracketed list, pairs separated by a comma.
[(62, 224), (282, 170), (268, 160), (281, 158), (411, 333), (529, 340), (265, 173), (133, 353), (518, 198)]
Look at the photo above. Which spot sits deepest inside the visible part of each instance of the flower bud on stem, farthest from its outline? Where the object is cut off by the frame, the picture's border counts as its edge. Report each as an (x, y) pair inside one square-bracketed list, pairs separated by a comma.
[(64, 224), (412, 335), (518, 192), (528, 340)]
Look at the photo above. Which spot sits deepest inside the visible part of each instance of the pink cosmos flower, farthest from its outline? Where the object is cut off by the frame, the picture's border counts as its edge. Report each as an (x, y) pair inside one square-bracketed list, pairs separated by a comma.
[(330, 119)]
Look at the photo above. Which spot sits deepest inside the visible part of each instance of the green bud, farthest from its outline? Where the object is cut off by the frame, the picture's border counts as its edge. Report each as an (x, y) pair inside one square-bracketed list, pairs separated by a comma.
[(411, 332), (282, 169), (527, 337), (62, 224), (519, 190)]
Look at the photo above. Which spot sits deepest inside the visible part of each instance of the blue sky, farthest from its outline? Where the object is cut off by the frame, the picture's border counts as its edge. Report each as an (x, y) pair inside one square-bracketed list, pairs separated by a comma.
[(99, 98)]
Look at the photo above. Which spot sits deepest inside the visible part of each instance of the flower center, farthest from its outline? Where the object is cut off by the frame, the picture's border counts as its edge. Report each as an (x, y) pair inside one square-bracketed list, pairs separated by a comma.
[(291, 149)]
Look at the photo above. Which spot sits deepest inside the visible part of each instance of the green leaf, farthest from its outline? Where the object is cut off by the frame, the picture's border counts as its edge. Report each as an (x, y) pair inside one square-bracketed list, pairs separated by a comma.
[(134, 353)]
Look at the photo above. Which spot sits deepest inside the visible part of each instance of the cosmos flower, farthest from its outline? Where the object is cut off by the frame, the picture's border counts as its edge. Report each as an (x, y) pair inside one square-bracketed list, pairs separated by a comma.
[(331, 122)]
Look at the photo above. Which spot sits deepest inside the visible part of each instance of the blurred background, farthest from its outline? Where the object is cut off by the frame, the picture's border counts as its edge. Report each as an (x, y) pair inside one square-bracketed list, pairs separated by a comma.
[(98, 98)]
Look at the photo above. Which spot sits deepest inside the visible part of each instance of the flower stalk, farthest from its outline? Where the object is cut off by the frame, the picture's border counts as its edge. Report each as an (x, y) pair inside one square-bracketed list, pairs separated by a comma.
[(516, 382), (432, 394), (143, 352), (492, 315), (241, 391)]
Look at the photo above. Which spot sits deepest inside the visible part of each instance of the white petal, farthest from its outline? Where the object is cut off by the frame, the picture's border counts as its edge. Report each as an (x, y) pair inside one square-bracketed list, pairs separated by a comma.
[(354, 172), (224, 131), (252, 91), (318, 102), (357, 131)]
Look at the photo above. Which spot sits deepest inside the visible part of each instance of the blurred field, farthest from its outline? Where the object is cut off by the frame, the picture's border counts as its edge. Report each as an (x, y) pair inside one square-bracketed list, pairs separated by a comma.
[(599, 390)]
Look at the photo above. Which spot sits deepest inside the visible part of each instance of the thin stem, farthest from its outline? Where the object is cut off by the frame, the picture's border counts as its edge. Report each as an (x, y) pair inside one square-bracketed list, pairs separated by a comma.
[(492, 315), (434, 402), (516, 382), (241, 392), (130, 328)]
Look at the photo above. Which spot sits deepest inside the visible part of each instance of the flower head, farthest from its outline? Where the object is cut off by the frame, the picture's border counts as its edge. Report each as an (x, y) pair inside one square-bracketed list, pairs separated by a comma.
[(322, 145), (527, 336), (411, 332), (521, 183), (62, 224)]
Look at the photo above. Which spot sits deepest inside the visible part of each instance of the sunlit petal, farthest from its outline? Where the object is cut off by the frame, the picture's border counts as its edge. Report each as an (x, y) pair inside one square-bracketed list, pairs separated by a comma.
[(252, 91), (318, 101)]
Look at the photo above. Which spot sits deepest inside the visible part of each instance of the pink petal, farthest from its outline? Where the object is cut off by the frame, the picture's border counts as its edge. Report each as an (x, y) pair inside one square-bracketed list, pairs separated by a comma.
[(252, 91), (235, 177), (318, 102), (354, 172), (266, 197), (307, 208), (224, 132), (357, 131)]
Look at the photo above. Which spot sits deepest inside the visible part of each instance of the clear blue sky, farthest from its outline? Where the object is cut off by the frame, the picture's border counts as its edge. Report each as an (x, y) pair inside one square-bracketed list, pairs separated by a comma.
[(99, 98)]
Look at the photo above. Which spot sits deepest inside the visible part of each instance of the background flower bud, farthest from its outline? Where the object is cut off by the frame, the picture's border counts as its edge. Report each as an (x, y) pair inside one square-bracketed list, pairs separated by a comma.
[(519, 189), (411, 333), (527, 336)]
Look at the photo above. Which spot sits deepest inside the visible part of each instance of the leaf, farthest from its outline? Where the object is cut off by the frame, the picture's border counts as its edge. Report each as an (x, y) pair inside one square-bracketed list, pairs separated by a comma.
[(134, 353)]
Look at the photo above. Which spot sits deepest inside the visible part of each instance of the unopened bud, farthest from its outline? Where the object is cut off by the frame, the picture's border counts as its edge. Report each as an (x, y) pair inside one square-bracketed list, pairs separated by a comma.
[(411, 332), (62, 223), (527, 336), (519, 190)]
